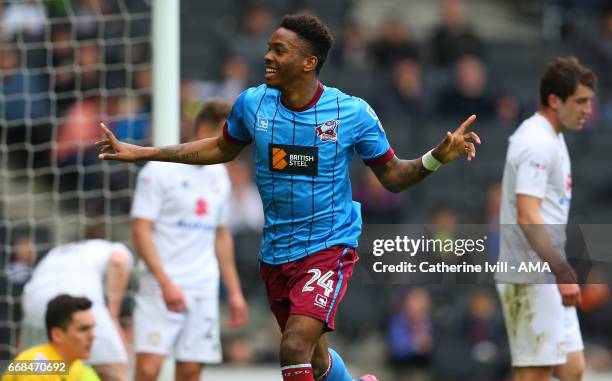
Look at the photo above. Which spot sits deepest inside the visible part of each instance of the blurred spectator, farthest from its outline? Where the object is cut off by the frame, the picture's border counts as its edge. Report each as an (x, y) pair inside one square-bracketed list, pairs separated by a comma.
[(394, 44), (88, 13), (454, 37), (24, 95), (24, 17), (69, 325), (97, 269), (406, 100), (143, 85), (410, 336), (63, 73), (18, 268), (443, 225), (238, 350), (88, 67), (491, 219), (485, 338), (80, 130), (130, 121), (595, 312), (597, 44), (234, 80), (24, 109), (256, 24), (378, 205), (24, 256), (468, 94), (445, 218), (246, 211), (507, 111), (351, 50)]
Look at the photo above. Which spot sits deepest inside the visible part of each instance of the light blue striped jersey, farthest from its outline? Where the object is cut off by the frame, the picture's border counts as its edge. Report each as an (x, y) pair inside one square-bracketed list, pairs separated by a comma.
[(302, 162)]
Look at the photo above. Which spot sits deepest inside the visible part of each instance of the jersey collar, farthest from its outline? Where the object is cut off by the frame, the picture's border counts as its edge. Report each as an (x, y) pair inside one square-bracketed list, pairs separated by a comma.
[(312, 102)]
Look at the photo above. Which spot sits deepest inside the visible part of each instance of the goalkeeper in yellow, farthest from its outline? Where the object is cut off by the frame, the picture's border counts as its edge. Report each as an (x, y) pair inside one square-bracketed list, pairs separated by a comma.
[(70, 328)]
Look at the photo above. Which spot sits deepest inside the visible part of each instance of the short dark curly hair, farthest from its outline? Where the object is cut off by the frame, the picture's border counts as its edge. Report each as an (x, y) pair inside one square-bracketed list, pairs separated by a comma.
[(314, 32), (562, 76)]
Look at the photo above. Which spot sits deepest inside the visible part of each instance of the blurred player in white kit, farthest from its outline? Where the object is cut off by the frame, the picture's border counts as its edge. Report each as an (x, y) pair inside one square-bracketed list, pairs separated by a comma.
[(93, 268), (539, 309), (180, 229)]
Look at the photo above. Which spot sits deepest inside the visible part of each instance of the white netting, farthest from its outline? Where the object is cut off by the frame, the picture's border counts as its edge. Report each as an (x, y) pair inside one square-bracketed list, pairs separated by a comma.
[(64, 66)]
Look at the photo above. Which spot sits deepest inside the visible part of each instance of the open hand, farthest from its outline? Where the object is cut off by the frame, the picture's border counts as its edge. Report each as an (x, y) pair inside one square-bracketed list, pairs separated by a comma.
[(239, 312), (458, 143), (570, 294), (173, 297), (122, 151)]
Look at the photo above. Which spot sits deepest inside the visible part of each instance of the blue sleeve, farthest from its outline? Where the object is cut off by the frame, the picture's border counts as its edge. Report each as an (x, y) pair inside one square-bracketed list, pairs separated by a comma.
[(235, 129), (370, 140)]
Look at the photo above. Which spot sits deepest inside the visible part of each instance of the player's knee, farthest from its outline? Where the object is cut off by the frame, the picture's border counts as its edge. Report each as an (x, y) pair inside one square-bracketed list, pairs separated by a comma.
[(114, 372), (575, 371), (294, 350), (147, 371), (188, 372)]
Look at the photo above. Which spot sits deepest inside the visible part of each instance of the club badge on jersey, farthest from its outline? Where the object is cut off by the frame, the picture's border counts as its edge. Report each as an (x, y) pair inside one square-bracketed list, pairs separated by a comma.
[(328, 131)]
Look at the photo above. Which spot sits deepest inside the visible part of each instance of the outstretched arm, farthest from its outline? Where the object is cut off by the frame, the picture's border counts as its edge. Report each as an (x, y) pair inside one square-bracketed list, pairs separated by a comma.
[(206, 151), (398, 175)]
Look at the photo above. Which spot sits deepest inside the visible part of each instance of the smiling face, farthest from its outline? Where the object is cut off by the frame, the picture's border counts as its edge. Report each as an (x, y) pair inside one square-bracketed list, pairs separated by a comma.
[(288, 59), (572, 113)]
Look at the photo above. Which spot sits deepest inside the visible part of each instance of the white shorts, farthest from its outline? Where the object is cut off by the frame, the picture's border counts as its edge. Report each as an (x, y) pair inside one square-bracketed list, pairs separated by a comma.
[(192, 336), (541, 331), (107, 347)]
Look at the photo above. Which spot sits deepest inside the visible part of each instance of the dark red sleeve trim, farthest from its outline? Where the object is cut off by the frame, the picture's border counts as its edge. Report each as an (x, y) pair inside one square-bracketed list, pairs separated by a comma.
[(232, 139), (381, 160)]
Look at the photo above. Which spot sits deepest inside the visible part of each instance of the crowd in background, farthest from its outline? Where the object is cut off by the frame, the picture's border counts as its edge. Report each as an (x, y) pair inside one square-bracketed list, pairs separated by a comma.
[(66, 65)]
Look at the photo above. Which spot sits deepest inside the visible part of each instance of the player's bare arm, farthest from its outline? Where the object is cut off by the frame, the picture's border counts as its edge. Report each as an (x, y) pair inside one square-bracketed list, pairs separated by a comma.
[(117, 278), (224, 250), (398, 175), (532, 224), (201, 152), (145, 246)]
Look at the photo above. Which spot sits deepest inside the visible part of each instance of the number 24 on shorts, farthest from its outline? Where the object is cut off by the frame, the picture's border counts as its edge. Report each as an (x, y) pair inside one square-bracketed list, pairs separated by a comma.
[(324, 281)]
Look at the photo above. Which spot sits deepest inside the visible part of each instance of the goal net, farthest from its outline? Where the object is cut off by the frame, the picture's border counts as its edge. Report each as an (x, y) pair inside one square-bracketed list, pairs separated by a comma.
[(65, 65)]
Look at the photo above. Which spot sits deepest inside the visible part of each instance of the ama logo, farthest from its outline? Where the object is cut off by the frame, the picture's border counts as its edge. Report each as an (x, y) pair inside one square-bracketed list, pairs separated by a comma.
[(328, 131)]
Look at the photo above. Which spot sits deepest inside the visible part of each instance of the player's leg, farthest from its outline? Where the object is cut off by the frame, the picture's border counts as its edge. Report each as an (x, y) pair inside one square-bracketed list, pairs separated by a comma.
[(535, 326), (573, 369), (199, 341), (328, 365), (300, 336), (188, 371), (155, 330), (148, 366), (108, 354), (112, 372), (533, 373), (321, 364), (317, 293)]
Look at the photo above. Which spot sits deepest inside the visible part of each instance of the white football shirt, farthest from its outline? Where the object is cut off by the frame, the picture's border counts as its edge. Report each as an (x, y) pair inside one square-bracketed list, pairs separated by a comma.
[(537, 164), (76, 268), (186, 204)]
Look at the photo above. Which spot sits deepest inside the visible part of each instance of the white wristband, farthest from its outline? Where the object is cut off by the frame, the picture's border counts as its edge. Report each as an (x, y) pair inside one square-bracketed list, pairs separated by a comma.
[(430, 163)]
